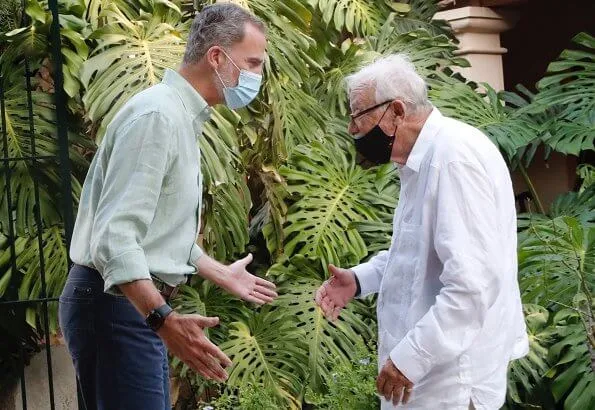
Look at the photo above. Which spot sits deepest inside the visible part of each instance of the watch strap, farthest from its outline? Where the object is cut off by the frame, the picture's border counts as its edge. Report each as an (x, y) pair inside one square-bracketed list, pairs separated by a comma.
[(157, 316)]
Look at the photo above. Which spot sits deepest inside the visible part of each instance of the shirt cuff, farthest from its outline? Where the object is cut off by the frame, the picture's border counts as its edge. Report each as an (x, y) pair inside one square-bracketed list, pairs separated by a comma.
[(368, 279), (195, 255), (125, 268), (410, 362)]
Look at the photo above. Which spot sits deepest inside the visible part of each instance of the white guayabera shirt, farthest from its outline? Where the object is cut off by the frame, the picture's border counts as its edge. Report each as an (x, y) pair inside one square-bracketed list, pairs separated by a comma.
[(449, 309)]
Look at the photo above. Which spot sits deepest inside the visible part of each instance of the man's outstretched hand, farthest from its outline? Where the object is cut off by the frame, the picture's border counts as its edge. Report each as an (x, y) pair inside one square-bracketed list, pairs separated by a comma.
[(336, 292), (247, 286)]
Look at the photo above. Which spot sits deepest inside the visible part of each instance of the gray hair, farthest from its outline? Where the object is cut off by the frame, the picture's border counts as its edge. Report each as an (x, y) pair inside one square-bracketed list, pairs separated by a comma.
[(392, 77), (222, 24)]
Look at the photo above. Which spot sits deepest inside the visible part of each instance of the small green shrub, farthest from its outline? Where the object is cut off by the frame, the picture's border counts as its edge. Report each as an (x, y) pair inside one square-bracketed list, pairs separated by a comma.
[(353, 386)]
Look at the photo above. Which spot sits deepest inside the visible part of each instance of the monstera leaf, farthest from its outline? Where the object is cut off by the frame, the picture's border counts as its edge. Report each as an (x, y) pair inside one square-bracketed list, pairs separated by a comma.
[(29, 259), (427, 52), (271, 216), (508, 129), (580, 205), (206, 299), (359, 17), (131, 55), (288, 39), (330, 193), (22, 174), (557, 261), (526, 374), (331, 90), (328, 342), (301, 116), (266, 349), (421, 16), (573, 374), (570, 82), (33, 41), (569, 86), (226, 220), (226, 196)]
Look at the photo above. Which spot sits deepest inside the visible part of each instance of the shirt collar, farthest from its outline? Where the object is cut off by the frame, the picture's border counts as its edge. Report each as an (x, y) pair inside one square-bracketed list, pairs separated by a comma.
[(194, 103), (424, 140)]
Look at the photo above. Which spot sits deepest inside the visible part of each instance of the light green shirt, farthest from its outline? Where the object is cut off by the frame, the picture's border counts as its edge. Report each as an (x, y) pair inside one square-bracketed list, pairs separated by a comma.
[(139, 211)]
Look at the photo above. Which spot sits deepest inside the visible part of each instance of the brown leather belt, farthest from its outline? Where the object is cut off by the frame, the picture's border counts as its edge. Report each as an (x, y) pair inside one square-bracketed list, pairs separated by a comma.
[(167, 291)]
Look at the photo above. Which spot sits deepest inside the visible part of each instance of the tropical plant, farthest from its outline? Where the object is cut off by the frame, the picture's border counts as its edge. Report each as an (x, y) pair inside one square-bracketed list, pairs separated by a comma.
[(282, 179), (352, 385), (570, 86), (557, 271)]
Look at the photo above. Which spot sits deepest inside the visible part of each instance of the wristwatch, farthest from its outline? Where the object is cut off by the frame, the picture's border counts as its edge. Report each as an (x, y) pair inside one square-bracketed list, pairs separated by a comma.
[(156, 317)]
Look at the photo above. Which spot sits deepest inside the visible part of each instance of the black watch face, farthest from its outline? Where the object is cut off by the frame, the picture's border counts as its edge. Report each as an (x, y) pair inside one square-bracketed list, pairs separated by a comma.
[(154, 320)]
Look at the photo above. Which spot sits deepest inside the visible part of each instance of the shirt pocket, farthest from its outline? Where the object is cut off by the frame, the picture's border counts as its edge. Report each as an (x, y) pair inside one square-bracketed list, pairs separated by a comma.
[(170, 185)]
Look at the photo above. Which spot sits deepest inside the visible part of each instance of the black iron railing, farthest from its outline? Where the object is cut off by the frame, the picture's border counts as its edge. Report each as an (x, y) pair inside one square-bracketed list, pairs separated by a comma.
[(13, 308)]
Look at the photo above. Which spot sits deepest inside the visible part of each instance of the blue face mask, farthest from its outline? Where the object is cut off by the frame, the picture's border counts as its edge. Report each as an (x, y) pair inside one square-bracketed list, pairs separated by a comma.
[(247, 89)]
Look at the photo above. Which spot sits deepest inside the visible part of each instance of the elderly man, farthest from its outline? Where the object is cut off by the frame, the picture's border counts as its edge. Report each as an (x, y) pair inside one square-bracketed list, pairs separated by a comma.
[(449, 309), (138, 221)]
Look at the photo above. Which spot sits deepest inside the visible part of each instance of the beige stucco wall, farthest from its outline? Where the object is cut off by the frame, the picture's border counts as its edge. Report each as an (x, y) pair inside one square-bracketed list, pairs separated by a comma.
[(551, 178)]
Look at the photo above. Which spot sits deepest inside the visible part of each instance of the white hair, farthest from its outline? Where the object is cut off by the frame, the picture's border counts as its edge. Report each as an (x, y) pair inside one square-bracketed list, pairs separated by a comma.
[(392, 77)]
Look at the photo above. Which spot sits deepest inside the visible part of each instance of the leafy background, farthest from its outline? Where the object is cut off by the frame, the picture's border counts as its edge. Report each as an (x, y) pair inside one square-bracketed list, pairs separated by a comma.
[(282, 180)]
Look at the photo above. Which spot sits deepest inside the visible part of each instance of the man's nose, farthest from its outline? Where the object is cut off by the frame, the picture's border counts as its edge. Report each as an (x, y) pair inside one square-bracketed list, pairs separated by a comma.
[(353, 128)]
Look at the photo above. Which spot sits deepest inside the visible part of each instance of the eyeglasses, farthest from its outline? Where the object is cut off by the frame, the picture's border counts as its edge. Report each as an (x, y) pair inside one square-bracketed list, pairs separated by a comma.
[(367, 110)]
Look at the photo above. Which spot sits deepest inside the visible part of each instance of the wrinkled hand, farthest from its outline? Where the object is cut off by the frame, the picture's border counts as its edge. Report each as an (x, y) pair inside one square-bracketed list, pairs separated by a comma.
[(335, 293), (247, 286), (185, 338), (393, 385)]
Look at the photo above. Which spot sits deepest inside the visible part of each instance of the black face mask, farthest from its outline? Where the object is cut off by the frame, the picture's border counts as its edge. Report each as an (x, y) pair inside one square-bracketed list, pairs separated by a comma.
[(375, 145)]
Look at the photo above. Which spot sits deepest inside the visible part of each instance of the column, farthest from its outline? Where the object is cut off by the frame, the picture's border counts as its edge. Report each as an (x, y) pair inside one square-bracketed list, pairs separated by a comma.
[(478, 31)]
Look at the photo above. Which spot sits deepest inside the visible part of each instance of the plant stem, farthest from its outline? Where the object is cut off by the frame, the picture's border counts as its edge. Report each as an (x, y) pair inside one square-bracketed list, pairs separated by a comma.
[(532, 189)]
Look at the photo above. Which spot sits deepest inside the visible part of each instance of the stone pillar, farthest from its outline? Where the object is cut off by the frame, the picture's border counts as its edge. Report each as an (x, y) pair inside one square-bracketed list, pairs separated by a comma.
[(478, 31)]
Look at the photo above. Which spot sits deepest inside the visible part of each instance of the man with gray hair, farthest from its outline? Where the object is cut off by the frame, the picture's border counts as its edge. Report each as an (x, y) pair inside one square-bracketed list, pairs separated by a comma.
[(449, 309), (135, 236)]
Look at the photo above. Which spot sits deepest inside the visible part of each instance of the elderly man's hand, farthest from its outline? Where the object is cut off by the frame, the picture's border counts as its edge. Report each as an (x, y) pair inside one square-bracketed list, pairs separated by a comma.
[(393, 385), (335, 293)]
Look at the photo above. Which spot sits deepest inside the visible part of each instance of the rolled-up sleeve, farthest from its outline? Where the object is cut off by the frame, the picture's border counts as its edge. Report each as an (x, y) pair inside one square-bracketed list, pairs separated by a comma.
[(132, 182), (195, 255), (465, 229)]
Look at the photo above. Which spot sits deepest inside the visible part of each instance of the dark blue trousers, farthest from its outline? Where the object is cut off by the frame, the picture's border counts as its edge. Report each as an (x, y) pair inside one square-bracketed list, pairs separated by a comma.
[(120, 363)]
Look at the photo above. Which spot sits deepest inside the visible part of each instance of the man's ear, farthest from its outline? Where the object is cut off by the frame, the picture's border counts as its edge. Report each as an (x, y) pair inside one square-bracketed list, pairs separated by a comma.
[(398, 108), (214, 57)]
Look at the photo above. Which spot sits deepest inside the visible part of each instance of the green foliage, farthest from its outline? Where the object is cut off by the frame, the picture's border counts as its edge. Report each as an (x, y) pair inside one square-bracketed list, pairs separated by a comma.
[(281, 179), (20, 144), (329, 193), (557, 271), (570, 86), (248, 397), (352, 385), (29, 265), (509, 129), (132, 51), (298, 279), (573, 375), (267, 350), (526, 374), (557, 262), (356, 16), (10, 15)]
